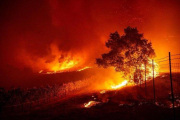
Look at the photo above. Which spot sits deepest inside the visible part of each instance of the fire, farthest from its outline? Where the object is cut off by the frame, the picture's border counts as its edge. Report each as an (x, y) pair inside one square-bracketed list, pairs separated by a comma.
[(120, 85), (40, 71), (156, 69), (62, 61), (103, 91), (150, 69), (55, 60), (108, 79), (83, 68), (65, 65), (63, 70), (111, 80), (90, 104)]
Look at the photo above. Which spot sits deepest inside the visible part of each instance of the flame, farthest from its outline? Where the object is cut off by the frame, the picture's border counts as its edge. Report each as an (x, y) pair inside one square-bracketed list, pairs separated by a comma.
[(90, 104), (150, 69), (103, 91), (63, 62), (108, 79), (83, 68), (40, 71), (55, 60), (63, 70), (65, 65), (156, 69), (120, 85)]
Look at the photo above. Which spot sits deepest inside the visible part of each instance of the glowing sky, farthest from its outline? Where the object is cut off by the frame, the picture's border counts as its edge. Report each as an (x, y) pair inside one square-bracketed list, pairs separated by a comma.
[(29, 29)]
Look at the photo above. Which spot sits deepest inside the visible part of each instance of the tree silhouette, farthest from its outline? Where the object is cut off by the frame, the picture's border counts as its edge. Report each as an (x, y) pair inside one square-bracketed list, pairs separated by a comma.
[(127, 52)]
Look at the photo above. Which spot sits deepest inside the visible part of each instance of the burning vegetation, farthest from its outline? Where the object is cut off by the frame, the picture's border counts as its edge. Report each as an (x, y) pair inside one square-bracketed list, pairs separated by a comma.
[(130, 54), (90, 104), (55, 53), (59, 61), (129, 61)]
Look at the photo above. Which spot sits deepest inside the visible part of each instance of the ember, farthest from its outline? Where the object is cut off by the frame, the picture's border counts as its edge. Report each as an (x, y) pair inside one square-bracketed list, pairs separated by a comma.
[(41, 71), (103, 91), (90, 104)]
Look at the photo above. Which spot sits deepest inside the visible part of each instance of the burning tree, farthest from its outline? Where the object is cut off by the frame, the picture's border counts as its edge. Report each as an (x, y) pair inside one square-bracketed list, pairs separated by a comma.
[(127, 53)]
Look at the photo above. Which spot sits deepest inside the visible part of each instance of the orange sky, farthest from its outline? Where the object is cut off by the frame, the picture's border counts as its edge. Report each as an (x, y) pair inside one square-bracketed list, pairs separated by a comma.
[(78, 29)]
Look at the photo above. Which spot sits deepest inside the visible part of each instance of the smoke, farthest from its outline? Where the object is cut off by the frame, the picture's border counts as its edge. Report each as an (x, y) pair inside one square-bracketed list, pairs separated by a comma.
[(43, 35)]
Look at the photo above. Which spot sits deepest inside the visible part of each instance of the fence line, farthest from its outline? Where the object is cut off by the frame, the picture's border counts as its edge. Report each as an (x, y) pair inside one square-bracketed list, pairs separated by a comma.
[(173, 71), (58, 92), (61, 92)]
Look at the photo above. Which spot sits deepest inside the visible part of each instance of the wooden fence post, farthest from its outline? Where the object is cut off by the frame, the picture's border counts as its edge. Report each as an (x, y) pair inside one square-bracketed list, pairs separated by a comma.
[(22, 107), (140, 76), (153, 80), (145, 82), (30, 104), (172, 94)]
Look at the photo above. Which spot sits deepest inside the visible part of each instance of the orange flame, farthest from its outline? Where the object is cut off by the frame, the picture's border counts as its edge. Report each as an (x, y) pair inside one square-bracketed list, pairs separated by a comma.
[(83, 68), (111, 80), (90, 104), (119, 85)]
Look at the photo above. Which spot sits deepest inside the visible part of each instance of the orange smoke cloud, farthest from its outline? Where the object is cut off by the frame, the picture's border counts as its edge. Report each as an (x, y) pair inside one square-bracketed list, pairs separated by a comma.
[(74, 32), (56, 60)]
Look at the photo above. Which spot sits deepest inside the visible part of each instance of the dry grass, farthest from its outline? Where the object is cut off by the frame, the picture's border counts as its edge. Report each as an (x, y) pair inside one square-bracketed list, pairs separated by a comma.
[(127, 103)]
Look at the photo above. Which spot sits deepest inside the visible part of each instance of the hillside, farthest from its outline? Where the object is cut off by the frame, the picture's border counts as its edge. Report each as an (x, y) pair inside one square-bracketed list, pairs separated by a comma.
[(126, 103)]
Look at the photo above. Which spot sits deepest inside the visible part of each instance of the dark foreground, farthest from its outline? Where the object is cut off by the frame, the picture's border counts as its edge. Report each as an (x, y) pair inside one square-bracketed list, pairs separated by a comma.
[(110, 111), (129, 103)]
